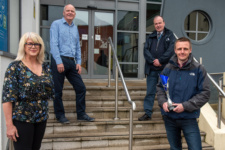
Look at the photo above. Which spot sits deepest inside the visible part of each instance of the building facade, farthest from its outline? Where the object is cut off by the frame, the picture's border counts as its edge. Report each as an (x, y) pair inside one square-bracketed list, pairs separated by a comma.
[(127, 22)]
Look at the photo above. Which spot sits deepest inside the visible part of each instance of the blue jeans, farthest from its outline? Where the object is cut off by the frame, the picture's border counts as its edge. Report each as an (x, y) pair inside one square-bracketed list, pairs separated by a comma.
[(190, 130), (75, 79), (152, 80)]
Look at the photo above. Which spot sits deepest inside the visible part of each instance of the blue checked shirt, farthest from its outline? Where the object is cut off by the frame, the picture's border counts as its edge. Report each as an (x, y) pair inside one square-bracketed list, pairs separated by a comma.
[(64, 41)]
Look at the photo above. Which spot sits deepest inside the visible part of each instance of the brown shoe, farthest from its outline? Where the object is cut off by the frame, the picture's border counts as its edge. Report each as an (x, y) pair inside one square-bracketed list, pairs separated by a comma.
[(144, 118)]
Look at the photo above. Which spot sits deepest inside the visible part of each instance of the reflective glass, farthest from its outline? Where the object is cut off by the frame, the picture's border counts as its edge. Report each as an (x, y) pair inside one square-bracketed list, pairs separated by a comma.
[(127, 47), (203, 22), (50, 14), (129, 70), (190, 22), (151, 11), (127, 20), (46, 37), (191, 35), (103, 29), (201, 36), (81, 18), (81, 21)]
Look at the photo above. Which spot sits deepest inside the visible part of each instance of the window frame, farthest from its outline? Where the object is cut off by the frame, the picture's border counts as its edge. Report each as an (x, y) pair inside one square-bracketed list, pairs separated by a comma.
[(209, 32)]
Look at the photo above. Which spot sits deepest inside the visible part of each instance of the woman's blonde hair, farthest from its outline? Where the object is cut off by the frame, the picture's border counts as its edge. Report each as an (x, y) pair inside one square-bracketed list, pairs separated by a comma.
[(36, 39)]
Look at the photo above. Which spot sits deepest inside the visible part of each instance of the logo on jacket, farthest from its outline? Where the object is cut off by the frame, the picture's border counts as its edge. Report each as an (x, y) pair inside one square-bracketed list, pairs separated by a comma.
[(192, 74), (167, 39)]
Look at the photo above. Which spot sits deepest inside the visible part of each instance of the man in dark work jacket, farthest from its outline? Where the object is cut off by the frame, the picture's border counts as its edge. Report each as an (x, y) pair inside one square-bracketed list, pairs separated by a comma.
[(158, 49)]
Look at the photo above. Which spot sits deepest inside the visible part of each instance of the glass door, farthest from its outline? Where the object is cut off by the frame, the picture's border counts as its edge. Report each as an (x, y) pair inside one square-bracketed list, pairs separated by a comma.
[(102, 30), (95, 27), (82, 22)]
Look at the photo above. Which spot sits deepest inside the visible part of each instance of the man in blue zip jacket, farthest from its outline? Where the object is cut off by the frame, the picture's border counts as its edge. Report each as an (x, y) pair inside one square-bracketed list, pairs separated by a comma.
[(157, 52), (189, 90)]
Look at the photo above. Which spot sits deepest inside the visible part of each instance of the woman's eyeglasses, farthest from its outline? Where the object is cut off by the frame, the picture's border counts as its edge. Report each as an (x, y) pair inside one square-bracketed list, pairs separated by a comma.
[(29, 45)]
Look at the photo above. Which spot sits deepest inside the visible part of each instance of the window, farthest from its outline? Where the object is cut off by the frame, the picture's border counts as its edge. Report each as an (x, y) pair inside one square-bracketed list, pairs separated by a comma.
[(197, 25), (127, 47), (127, 20), (48, 15), (127, 42), (152, 10)]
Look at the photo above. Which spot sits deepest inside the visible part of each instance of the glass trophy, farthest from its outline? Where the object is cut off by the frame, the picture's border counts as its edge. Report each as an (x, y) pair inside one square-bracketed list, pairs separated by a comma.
[(165, 84)]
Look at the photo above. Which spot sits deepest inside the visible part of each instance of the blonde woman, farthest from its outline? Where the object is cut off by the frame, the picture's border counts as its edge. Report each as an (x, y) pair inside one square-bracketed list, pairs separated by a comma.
[(27, 88)]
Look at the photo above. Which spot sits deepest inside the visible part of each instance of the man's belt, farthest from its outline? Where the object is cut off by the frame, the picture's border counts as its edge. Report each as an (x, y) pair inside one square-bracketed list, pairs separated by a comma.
[(71, 58)]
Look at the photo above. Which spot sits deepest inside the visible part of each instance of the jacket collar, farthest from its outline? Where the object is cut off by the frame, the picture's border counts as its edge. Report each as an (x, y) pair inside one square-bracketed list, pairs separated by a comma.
[(173, 61), (154, 33)]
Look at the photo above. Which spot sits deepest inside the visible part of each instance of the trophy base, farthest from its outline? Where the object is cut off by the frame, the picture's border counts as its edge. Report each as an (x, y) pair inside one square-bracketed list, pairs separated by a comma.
[(171, 108)]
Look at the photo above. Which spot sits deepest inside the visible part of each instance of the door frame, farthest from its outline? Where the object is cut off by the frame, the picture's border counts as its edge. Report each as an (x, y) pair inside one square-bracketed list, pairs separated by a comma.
[(91, 42)]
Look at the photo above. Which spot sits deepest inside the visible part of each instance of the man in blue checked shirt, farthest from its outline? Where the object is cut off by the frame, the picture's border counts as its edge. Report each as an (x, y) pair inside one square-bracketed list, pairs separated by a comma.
[(66, 62)]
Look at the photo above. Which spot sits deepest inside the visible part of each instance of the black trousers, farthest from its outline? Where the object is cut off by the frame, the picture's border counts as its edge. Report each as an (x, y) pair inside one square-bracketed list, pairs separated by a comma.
[(75, 79), (30, 135)]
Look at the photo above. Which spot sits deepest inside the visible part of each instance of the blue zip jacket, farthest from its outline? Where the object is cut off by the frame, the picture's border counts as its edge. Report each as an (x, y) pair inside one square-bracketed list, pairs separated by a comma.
[(188, 85)]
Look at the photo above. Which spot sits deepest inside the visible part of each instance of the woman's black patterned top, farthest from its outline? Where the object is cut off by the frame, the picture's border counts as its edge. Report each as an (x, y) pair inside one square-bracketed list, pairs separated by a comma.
[(28, 92)]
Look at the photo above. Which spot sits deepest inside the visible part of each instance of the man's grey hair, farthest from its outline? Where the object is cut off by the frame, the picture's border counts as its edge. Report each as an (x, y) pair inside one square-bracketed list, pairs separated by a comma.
[(67, 5)]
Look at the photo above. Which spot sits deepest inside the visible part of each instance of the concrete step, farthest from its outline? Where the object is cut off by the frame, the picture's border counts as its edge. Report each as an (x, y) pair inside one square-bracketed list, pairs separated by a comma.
[(106, 91), (104, 82), (205, 146), (103, 126), (106, 101), (103, 140), (106, 133), (107, 112)]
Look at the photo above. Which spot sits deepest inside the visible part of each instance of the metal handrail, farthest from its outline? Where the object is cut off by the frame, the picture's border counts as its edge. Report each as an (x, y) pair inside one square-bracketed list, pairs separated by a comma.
[(219, 88), (222, 94), (133, 105), (9, 145), (121, 74)]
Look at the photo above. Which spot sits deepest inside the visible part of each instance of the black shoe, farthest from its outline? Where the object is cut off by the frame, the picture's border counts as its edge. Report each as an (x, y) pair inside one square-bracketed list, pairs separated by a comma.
[(63, 120), (85, 118), (144, 118)]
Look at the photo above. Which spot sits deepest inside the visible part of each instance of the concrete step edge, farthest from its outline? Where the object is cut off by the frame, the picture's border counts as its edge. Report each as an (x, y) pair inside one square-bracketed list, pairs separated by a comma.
[(53, 122), (107, 135), (205, 146)]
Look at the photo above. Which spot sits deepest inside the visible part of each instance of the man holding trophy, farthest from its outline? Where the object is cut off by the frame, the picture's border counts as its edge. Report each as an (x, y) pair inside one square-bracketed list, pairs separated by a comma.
[(181, 92)]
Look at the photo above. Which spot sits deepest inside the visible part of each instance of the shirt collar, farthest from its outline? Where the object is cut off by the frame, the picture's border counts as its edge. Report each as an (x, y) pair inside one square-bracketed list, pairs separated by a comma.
[(64, 22), (160, 32), (182, 65)]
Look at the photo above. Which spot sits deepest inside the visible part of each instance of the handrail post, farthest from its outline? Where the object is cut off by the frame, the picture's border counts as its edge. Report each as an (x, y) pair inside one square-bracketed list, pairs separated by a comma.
[(116, 94), (133, 105), (109, 65), (9, 145), (219, 106), (131, 130)]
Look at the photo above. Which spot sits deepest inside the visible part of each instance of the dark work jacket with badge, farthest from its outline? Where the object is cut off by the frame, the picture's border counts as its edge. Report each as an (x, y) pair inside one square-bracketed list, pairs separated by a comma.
[(163, 52)]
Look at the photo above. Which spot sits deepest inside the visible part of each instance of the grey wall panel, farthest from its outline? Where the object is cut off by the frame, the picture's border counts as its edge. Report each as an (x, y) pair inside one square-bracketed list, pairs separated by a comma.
[(212, 48), (51, 2), (98, 4), (128, 6)]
